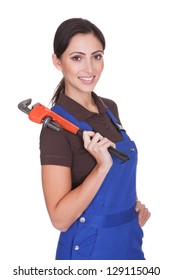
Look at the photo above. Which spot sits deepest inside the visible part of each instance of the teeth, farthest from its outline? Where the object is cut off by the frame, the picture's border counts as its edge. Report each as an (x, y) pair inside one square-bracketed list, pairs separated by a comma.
[(87, 79)]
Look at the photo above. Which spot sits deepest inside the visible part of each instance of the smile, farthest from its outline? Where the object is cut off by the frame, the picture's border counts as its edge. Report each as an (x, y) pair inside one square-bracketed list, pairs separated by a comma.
[(87, 79)]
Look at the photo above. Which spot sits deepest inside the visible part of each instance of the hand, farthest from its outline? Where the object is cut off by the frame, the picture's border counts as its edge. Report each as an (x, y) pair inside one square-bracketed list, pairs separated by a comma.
[(143, 213), (97, 146)]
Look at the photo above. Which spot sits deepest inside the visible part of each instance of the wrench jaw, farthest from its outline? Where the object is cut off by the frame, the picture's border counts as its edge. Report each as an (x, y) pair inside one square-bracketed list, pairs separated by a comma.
[(23, 106), (37, 115)]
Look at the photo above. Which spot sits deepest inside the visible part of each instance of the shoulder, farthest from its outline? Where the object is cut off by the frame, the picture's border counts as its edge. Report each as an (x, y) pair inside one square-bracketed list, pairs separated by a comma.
[(50, 137), (112, 106), (110, 103), (55, 147)]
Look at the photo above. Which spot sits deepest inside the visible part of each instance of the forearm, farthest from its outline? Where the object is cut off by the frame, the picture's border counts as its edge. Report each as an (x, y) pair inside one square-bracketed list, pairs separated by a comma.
[(75, 202)]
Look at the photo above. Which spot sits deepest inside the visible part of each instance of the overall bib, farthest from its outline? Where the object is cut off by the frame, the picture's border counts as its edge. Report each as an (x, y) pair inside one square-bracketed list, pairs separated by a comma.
[(108, 229)]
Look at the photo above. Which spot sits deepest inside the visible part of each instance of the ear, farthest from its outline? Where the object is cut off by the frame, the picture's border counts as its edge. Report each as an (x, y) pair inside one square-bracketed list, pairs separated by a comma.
[(56, 62)]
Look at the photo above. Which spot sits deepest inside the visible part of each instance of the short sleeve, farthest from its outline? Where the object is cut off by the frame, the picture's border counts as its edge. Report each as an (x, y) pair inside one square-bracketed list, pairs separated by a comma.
[(55, 148)]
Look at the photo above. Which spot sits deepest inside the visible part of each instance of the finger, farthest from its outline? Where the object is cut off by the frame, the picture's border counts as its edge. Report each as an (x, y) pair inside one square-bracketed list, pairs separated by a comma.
[(145, 218), (145, 214), (96, 138), (87, 137), (138, 205), (141, 209), (88, 134), (106, 143), (100, 146)]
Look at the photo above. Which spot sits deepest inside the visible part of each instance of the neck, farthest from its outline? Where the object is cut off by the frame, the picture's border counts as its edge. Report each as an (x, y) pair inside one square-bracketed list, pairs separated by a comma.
[(85, 100)]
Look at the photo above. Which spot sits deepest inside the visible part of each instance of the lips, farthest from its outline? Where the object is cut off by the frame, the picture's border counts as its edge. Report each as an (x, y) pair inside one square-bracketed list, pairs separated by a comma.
[(86, 79)]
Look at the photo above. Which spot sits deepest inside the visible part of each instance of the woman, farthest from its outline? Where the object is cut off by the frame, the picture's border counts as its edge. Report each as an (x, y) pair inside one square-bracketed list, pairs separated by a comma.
[(90, 194)]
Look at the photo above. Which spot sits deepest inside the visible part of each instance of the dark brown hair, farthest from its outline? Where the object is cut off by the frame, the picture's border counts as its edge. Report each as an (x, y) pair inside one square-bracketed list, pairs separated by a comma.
[(64, 34)]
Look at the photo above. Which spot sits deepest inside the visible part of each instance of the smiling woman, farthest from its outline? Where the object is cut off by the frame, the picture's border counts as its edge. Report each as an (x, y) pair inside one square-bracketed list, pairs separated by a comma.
[(90, 195), (81, 64)]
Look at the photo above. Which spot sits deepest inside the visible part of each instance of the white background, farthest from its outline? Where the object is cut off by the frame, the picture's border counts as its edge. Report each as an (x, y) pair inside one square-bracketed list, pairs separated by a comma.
[(138, 76)]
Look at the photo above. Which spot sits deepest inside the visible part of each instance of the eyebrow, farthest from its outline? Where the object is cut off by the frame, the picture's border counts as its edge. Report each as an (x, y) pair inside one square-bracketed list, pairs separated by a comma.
[(77, 52)]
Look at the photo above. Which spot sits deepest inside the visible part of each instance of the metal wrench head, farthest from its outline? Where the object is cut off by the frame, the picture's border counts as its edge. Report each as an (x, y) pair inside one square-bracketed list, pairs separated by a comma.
[(23, 106)]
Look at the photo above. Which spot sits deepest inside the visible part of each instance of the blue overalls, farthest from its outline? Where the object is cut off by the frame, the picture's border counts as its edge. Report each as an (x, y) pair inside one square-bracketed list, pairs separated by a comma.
[(108, 229)]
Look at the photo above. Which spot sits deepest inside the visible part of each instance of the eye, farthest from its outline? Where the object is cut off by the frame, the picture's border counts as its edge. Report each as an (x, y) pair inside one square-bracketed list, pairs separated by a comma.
[(98, 56), (76, 58)]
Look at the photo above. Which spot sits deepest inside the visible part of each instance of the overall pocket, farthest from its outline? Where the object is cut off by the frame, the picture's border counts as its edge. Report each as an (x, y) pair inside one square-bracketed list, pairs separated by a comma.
[(84, 243)]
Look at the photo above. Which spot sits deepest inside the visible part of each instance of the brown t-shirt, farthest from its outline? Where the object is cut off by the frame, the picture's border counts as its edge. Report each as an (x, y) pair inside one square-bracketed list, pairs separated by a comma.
[(66, 149)]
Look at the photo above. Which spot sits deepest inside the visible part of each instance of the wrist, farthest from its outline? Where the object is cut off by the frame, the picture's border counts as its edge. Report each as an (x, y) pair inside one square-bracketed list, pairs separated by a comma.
[(103, 168)]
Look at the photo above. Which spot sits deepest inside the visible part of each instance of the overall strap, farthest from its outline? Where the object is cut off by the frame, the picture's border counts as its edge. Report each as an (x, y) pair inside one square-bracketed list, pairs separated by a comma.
[(115, 121), (117, 124), (112, 117), (65, 114)]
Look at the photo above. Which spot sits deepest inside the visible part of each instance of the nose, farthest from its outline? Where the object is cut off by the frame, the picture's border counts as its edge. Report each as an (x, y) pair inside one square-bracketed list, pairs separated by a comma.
[(88, 67)]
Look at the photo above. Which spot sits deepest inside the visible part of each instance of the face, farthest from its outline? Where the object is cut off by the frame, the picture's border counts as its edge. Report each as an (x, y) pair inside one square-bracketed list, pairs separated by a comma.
[(81, 63)]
